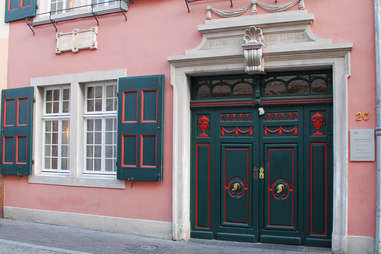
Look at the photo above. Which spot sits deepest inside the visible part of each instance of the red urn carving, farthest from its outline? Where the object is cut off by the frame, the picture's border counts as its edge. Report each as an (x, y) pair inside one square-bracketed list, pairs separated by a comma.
[(317, 121), (203, 123)]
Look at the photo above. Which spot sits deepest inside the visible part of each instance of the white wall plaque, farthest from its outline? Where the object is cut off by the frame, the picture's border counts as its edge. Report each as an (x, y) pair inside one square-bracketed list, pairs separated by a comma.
[(76, 40), (362, 145)]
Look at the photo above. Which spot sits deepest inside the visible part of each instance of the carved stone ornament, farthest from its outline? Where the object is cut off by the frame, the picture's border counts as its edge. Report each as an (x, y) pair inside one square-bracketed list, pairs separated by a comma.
[(253, 50), (76, 40)]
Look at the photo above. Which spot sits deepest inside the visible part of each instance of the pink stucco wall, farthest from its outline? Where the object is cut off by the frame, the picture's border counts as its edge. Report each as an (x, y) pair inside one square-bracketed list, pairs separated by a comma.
[(155, 30)]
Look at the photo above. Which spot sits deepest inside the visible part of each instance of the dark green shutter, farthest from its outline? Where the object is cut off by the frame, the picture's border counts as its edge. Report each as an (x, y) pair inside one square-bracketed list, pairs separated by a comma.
[(140, 128), (19, 9), (16, 131)]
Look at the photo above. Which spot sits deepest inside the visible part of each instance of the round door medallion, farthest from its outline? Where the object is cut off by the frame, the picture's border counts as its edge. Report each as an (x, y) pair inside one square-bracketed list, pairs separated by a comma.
[(280, 189), (236, 187)]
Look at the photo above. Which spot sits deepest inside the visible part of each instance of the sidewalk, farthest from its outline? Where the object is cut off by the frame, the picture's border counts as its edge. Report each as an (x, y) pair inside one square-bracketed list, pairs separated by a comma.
[(18, 237)]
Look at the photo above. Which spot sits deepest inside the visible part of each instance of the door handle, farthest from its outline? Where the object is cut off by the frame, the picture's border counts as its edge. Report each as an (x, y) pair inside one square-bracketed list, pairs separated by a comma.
[(261, 173)]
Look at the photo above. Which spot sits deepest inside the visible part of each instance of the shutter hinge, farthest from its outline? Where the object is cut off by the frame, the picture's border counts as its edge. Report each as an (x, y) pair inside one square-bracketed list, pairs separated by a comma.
[(34, 100), (32, 162)]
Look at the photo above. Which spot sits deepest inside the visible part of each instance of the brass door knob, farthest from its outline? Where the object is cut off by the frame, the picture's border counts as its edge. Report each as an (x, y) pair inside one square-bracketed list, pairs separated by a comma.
[(279, 188), (236, 187)]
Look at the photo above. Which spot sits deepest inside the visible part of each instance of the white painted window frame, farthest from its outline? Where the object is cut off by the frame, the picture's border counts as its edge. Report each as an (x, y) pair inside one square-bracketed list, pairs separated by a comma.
[(59, 116), (76, 177), (58, 11), (102, 115)]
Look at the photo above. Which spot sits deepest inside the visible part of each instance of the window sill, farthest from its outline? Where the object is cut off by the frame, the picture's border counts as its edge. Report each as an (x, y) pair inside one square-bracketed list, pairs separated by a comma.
[(82, 12), (82, 181)]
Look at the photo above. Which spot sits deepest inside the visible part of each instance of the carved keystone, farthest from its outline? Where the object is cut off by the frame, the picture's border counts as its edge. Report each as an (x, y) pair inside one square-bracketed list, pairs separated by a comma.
[(253, 50)]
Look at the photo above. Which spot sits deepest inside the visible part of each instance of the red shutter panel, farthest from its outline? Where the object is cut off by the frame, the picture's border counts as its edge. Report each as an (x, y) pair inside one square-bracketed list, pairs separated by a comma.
[(16, 131), (140, 128), (19, 9)]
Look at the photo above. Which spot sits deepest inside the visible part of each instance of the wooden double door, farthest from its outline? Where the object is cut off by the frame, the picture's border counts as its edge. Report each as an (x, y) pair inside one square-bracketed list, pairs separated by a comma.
[(262, 174)]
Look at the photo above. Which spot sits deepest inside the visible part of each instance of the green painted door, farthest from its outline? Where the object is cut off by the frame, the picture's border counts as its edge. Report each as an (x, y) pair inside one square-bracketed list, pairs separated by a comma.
[(262, 175)]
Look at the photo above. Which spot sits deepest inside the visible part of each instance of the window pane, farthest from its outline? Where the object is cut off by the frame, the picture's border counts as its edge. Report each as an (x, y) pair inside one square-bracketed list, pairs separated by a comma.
[(109, 138), (90, 105), (203, 91), (55, 138), (97, 165), (55, 107), (48, 108), (98, 151), (109, 165), (98, 137), (243, 89), (49, 96), (110, 91), (319, 86), (54, 163), (298, 87), (90, 92), (109, 124), (109, 105), (64, 163), (66, 94), (98, 124), (47, 162), (56, 95), (275, 88), (89, 139), (65, 151), (98, 105), (90, 124), (221, 91), (109, 152), (54, 150), (89, 164), (48, 138), (89, 151), (65, 107), (47, 150), (98, 92)]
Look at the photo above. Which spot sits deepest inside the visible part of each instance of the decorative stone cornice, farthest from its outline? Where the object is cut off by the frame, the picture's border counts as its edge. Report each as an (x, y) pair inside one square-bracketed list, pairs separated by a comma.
[(288, 36), (252, 50)]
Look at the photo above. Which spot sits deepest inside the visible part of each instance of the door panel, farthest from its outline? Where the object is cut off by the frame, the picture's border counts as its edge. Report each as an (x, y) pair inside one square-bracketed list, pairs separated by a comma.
[(280, 202), (318, 165), (235, 184)]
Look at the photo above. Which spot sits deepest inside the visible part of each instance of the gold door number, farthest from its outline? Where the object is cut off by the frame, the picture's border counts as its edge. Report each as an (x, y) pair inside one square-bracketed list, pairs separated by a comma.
[(362, 116)]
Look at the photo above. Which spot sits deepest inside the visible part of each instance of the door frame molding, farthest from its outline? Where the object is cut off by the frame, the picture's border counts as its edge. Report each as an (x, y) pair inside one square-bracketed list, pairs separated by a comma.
[(220, 53)]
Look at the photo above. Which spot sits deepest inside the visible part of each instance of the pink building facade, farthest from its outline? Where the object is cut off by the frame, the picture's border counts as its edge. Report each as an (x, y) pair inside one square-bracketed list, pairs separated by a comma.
[(135, 161)]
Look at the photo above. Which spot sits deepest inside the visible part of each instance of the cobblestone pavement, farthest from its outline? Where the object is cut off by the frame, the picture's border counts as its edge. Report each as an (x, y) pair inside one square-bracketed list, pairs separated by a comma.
[(18, 237)]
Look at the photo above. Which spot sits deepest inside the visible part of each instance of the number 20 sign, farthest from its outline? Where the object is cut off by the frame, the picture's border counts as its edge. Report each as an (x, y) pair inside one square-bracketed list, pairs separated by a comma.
[(362, 116)]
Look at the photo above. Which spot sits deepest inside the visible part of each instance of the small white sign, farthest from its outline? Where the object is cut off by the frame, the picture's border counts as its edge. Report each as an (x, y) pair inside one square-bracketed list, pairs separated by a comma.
[(362, 145)]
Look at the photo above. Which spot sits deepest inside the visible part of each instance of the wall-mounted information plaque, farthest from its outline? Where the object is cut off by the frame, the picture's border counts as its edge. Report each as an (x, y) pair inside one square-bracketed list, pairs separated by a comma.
[(362, 145)]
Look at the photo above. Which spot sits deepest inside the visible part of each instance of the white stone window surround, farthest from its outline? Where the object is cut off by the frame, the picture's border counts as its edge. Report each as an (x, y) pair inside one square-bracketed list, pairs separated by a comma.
[(289, 45), (76, 176), (44, 7)]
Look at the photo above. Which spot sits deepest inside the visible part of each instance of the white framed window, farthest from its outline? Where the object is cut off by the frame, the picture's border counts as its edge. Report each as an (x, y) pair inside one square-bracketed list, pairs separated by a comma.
[(75, 129), (56, 130), (58, 6), (96, 3), (100, 125)]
